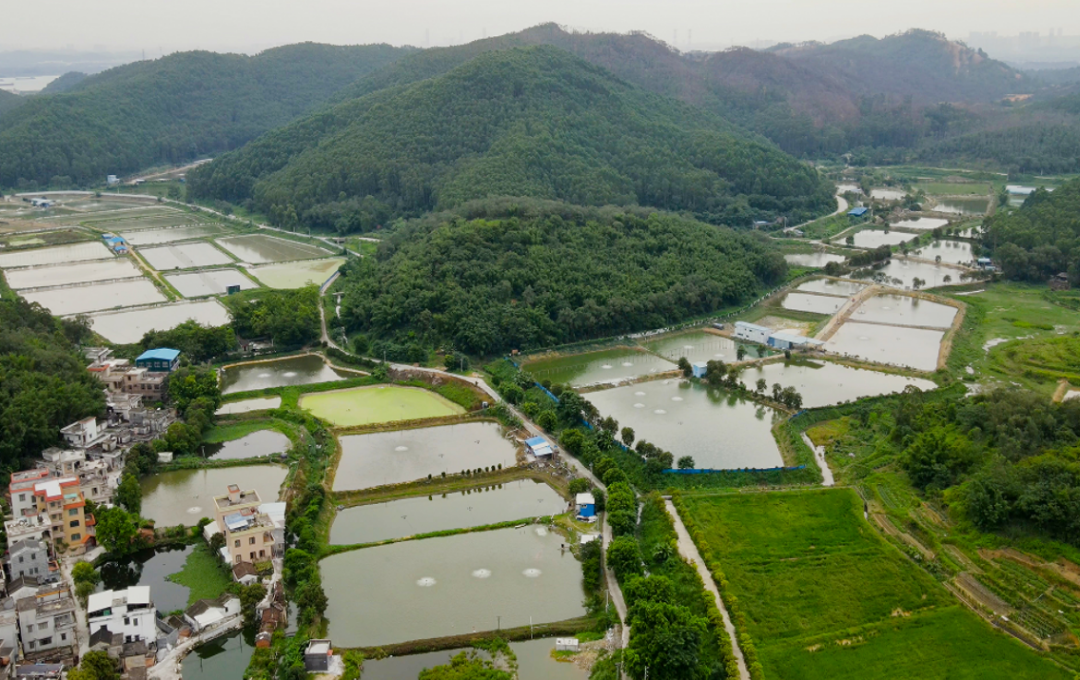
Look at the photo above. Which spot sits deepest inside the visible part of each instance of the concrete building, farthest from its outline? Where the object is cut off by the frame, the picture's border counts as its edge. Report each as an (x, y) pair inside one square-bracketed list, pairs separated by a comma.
[(63, 502), (9, 637), (83, 434), (159, 360), (31, 558), (127, 612), (145, 382), (47, 621), (317, 656), (786, 341), (249, 536), (585, 504), (244, 573), (209, 613), (37, 527), (752, 332), (21, 492)]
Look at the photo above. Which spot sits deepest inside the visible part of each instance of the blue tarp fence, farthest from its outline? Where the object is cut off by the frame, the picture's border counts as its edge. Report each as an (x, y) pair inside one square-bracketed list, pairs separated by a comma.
[(707, 471)]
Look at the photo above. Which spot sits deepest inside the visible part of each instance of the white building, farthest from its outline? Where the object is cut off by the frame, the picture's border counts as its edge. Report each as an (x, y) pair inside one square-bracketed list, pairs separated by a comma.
[(47, 620), (82, 434), (209, 613), (752, 332), (127, 612)]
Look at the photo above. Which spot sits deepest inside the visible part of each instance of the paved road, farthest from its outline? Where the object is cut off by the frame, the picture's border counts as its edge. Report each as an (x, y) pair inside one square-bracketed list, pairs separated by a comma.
[(690, 552)]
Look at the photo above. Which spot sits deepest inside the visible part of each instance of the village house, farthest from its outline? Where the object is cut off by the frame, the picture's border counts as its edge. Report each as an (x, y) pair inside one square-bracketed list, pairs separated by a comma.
[(129, 612), (65, 505), (249, 536), (21, 491), (31, 558), (209, 613), (47, 622)]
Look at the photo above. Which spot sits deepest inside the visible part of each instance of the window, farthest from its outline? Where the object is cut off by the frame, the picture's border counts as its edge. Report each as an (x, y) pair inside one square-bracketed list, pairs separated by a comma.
[(46, 641), (22, 498), (236, 543), (63, 637), (21, 560), (127, 621), (76, 537), (252, 555), (43, 625), (251, 541), (30, 629), (73, 523), (262, 553), (236, 559), (32, 642), (74, 511)]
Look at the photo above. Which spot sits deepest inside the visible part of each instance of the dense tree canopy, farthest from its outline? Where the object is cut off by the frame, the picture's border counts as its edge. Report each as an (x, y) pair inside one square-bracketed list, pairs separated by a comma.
[(524, 275), (523, 122), (9, 101), (1040, 239), (44, 384), (172, 109), (289, 317)]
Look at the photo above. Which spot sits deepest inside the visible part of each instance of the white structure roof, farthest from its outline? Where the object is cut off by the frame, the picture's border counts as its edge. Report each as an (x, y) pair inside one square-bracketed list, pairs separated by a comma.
[(585, 498), (135, 595), (276, 513)]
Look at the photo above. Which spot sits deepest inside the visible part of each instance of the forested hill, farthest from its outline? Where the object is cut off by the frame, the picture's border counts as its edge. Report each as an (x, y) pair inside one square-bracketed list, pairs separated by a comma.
[(521, 122), (65, 82), (1042, 238), (172, 109), (923, 65), (9, 101), (519, 274)]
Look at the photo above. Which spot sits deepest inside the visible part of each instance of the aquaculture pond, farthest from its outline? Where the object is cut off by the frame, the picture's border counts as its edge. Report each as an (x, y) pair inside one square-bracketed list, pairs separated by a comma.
[(378, 404), (145, 237), (963, 206), (73, 252), (832, 287), (696, 346), (452, 585), (505, 502), (380, 458), (297, 274), (817, 260), (904, 310), (902, 273), (606, 366), (150, 568), (62, 275), (302, 370), (887, 194), (209, 282), (127, 327), (534, 662), (817, 304), (822, 383), (953, 252), (254, 445), (921, 223), (261, 248), (184, 256), (717, 428), (248, 405), (225, 657), (873, 238), (186, 496), (895, 345), (97, 296)]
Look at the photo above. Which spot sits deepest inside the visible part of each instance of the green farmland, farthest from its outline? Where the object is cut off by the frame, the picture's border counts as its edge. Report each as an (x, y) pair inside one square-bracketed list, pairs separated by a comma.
[(825, 597)]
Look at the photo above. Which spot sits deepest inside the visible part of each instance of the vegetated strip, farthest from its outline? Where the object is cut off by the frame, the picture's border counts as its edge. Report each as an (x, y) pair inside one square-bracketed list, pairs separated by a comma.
[(509, 524), (567, 628)]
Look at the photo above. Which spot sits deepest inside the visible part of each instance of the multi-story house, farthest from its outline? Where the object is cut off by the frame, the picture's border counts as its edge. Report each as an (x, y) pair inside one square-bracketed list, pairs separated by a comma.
[(234, 501), (47, 620), (30, 558), (249, 536), (21, 491), (65, 505), (126, 612)]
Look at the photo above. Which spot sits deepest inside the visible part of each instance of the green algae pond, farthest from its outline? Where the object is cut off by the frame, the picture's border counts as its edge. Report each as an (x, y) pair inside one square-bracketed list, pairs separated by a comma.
[(593, 368), (505, 502), (377, 404), (451, 585)]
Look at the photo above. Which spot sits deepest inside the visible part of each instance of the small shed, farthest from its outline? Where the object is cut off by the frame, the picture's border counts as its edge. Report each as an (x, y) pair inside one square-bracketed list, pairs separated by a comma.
[(160, 360), (858, 212), (585, 504), (539, 447), (317, 656), (567, 645), (165, 456), (244, 573), (699, 368)]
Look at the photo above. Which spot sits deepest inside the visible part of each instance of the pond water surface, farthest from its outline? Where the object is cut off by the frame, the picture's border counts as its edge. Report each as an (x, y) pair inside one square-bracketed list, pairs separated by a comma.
[(128, 327), (963, 206), (302, 370), (62, 275), (297, 274), (887, 194), (260, 248), (212, 282), (901, 273), (248, 405), (225, 657), (96, 297), (254, 445), (824, 383), (186, 496), (954, 252), (817, 304), (534, 662), (873, 238), (818, 260), (903, 310), (452, 585), (184, 256), (146, 237), (921, 223), (606, 366), (720, 430), (509, 501), (73, 252), (895, 345), (832, 287), (381, 458), (695, 346), (150, 568)]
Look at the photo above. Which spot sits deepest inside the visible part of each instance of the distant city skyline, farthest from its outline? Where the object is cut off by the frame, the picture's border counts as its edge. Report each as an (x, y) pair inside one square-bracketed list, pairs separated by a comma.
[(249, 26)]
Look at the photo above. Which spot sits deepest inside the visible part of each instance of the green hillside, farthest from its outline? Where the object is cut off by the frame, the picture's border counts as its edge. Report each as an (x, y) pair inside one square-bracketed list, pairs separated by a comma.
[(521, 274), (172, 109), (1040, 239), (9, 101), (65, 83), (521, 122)]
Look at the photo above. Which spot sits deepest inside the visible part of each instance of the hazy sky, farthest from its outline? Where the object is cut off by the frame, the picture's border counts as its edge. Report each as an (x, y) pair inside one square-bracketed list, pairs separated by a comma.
[(250, 25)]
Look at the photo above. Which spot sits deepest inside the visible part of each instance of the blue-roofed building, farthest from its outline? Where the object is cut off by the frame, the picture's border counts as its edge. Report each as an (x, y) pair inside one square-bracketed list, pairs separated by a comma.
[(539, 447), (858, 212), (161, 360)]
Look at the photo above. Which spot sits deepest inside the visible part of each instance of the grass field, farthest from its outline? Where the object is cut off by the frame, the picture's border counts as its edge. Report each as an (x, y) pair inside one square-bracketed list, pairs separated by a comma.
[(227, 433), (377, 404), (826, 597), (203, 574)]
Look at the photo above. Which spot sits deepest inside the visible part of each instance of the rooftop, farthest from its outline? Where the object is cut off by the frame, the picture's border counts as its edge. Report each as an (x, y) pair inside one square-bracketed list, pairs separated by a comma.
[(752, 326), (160, 354), (106, 599), (246, 498)]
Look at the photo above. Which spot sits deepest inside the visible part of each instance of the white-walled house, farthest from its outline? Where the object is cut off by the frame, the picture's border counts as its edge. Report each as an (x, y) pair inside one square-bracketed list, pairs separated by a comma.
[(127, 612)]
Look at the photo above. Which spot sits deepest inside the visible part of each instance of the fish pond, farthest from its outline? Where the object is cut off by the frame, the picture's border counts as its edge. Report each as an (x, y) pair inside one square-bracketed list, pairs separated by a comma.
[(150, 568), (67, 274), (832, 287), (184, 256), (297, 274), (130, 326), (696, 346), (904, 310), (73, 252), (301, 370), (874, 238), (963, 206), (96, 297), (817, 304), (822, 383), (505, 502), (953, 252), (902, 273), (887, 194), (146, 237), (604, 367), (451, 585), (534, 662), (249, 405), (186, 496), (261, 248), (210, 282), (254, 445), (381, 458), (225, 657), (895, 345), (377, 404), (921, 223), (719, 429), (816, 260)]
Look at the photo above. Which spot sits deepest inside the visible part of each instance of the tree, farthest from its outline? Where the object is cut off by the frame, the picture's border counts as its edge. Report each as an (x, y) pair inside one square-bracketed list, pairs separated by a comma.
[(946, 279), (465, 666), (667, 638), (628, 436), (129, 494), (777, 391), (761, 386), (512, 393), (850, 240), (740, 353), (624, 557), (579, 485), (115, 530), (190, 383), (95, 666), (547, 420), (686, 463), (917, 283), (86, 580)]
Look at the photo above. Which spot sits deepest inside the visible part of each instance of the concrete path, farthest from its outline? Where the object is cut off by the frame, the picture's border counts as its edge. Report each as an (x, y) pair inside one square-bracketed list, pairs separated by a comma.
[(819, 455), (688, 550), (616, 593)]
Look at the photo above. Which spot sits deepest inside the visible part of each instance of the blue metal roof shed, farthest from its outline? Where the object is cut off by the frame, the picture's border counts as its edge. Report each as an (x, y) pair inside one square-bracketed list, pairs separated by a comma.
[(161, 359), (858, 212)]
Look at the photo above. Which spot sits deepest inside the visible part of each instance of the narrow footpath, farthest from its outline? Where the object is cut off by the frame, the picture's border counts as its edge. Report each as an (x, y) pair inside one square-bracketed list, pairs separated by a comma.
[(690, 552)]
